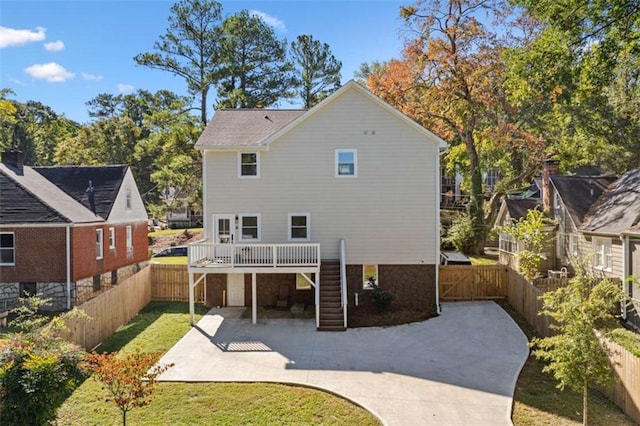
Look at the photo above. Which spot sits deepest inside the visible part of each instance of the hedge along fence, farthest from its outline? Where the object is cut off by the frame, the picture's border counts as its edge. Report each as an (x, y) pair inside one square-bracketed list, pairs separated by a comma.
[(524, 298), (111, 310)]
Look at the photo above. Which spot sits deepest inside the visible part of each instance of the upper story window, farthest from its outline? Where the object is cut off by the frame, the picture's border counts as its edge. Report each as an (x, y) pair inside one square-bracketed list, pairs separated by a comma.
[(129, 239), (99, 240), (128, 199), (112, 237), (602, 253), (7, 249), (299, 226), (249, 227), (491, 180), (346, 163), (248, 164)]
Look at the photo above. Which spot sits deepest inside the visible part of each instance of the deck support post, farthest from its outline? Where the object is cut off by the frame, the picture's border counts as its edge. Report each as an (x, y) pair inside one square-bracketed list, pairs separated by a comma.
[(254, 301)]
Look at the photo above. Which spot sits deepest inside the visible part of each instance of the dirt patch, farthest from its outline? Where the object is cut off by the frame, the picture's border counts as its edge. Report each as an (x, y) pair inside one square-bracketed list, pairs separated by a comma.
[(368, 316), (161, 242)]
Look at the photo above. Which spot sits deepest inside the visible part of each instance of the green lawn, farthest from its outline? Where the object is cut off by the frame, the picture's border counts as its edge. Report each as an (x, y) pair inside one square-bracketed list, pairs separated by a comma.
[(169, 231), (170, 260), (158, 327), (537, 401)]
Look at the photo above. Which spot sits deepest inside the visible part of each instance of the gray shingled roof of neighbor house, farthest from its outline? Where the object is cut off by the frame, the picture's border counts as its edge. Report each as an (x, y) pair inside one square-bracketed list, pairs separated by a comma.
[(234, 128), (518, 208), (74, 180), (578, 193), (28, 197), (619, 207)]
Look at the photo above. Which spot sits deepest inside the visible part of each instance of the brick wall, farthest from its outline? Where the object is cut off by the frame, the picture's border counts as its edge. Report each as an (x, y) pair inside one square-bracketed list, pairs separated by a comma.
[(39, 255)]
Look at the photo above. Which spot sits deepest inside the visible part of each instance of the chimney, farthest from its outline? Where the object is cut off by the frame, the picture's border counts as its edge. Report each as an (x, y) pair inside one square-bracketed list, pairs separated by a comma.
[(549, 168), (13, 157)]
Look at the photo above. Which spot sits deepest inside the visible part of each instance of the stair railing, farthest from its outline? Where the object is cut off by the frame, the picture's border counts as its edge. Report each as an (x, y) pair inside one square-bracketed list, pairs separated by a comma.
[(343, 280)]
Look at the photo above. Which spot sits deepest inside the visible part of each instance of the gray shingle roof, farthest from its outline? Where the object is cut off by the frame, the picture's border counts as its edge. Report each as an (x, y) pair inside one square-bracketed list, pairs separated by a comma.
[(48, 203), (234, 128), (579, 193), (619, 207), (518, 208)]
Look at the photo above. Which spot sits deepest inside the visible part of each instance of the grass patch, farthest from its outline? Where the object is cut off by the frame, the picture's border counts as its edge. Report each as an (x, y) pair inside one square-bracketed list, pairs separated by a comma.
[(627, 339), (537, 400), (483, 260), (156, 329), (170, 231), (170, 260)]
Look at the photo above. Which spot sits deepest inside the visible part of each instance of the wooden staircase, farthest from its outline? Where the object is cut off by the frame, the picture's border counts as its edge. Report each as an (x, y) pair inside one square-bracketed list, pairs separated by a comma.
[(331, 312)]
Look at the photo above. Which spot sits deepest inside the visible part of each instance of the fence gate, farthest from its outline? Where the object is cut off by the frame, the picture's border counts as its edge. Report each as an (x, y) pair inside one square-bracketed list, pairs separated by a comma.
[(472, 282)]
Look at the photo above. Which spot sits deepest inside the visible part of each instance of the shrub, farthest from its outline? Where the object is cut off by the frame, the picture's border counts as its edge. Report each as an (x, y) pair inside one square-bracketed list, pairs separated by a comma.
[(381, 298), (461, 234)]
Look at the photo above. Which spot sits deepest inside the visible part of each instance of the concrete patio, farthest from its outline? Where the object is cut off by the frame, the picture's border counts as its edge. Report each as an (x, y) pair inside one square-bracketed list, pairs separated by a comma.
[(457, 369)]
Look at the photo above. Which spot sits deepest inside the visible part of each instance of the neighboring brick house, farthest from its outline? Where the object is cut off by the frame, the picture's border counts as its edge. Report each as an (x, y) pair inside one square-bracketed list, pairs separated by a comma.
[(67, 232), (307, 207)]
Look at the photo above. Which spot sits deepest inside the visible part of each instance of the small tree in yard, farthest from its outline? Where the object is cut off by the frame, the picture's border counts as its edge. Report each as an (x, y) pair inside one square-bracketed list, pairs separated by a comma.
[(129, 378), (530, 232), (576, 356), (38, 367)]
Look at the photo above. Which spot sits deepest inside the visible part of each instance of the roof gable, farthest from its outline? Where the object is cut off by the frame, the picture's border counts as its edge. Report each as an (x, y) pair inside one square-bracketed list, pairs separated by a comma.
[(579, 193), (75, 181), (257, 128), (618, 209)]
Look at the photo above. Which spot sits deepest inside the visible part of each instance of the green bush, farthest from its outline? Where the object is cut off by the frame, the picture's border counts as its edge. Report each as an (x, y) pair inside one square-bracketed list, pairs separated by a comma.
[(381, 298), (461, 235)]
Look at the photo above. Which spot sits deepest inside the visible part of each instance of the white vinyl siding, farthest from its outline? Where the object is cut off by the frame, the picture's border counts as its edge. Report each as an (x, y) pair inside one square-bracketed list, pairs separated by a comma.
[(386, 216)]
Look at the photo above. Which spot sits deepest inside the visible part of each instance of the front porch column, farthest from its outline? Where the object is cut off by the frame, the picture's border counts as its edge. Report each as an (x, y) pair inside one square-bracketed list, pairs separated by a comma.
[(254, 299), (191, 299)]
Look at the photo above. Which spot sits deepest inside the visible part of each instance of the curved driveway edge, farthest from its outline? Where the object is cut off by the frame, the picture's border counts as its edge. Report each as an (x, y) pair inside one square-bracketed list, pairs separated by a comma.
[(459, 368)]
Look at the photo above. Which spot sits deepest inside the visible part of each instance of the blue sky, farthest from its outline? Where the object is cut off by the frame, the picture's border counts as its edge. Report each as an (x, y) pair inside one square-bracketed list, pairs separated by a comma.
[(64, 53)]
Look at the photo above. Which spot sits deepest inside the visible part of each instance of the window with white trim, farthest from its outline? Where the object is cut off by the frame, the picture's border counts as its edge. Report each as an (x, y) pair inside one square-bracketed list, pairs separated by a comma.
[(99, 242), (346, 163), (248, 164), (602, 253), (369, 276), (249, 224), (7, 249), (112, 237), (299, 226), (128, 198), (508, 243), (573, 245), (129, 239)]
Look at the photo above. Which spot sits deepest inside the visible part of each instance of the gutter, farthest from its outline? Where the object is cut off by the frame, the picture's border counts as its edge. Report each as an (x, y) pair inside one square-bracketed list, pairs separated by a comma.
[(437, 223), (68, 259), (625, 271)]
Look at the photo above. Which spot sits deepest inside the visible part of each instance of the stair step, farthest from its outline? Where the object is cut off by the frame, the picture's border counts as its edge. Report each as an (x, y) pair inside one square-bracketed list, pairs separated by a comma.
[(331, 328)]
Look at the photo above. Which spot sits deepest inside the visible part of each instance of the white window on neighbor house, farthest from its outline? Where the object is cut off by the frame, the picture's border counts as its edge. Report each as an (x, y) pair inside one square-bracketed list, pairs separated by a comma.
[(129, 239), (369, 276), (491, 180), (128, 198), (573, 245), (346, 163), (99, 242), (249, 224), (248, 164), (112, 238), (303, 283), (299, 228), (602, 253), (7, 249), (508, 243)]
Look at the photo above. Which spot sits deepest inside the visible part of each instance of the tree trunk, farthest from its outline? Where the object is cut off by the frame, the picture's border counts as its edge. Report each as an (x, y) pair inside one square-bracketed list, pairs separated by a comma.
[(475, 207), (585, 402), (124, 418), (203, 107)]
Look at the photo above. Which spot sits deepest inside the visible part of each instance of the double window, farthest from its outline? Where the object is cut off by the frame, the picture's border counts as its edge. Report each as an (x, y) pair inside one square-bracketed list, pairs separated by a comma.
[(249, 227), (346, 163), (248, 164), (7, 249), (299, 226), (602, 253)]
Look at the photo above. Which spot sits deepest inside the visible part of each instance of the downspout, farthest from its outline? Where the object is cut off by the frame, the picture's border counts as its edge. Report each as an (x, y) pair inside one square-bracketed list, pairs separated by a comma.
[(437, 226), (68, 250), (625, 271)]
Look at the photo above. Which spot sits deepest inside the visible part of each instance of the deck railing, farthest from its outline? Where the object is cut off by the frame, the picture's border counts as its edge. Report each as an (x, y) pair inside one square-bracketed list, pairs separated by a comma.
[(253, 255)]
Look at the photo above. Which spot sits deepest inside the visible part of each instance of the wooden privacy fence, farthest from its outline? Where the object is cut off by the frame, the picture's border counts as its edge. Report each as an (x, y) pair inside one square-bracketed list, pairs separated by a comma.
[(110, 310), (472, 282), (171, 282), (524, 296)]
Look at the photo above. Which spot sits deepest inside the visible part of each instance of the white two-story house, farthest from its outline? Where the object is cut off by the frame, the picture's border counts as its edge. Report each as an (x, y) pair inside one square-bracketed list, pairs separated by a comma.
[(307, 207)]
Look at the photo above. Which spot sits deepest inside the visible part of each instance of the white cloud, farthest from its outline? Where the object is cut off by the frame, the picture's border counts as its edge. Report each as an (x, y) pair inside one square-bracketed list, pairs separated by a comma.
[(54, 46), (125, 88), (269, 20), (51, 72), (93, 77), (13, 37)]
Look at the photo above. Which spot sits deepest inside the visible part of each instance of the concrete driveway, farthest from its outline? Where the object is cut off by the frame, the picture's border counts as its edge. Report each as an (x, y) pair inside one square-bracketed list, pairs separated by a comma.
[(457, 369)]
